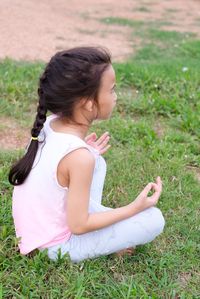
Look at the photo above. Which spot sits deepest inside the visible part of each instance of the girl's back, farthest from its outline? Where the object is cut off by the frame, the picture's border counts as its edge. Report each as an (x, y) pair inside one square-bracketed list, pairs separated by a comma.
[(39, 204)]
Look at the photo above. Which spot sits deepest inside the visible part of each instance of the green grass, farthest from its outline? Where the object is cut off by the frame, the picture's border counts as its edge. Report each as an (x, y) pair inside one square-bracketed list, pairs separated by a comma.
[(121, 21), (143, 9), (150, 31), (154, 131), (18, 86)]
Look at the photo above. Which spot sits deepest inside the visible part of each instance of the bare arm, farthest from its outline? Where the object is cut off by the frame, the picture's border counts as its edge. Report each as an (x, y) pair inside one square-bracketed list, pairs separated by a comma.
[(80, 164)]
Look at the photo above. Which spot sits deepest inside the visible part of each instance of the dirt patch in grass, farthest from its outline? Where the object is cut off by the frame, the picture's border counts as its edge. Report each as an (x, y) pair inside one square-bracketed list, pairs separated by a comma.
[(195, 170), (159, 129), (184, 278), (12, 135), (35, 30)]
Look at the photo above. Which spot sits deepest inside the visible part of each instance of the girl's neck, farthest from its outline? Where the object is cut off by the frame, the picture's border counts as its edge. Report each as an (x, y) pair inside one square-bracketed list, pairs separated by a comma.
[(61, 125)]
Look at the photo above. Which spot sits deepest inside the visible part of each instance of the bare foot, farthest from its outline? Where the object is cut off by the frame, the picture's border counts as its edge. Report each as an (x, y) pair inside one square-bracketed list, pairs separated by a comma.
[(130, 251)]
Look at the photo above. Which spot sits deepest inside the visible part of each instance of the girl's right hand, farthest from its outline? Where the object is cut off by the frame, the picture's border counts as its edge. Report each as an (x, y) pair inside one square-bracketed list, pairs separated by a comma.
[(143, 201)]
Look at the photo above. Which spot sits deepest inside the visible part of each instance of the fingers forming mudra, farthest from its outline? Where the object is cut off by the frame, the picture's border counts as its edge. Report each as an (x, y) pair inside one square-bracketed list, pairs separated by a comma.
[(100, 144), (143, 200)]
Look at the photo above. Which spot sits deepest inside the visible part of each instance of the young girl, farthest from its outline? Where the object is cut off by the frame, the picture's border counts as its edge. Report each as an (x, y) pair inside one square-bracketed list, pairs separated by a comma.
[(59, 181)]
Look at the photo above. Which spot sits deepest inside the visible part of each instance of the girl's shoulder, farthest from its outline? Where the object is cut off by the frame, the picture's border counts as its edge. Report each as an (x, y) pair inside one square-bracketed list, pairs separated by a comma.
[(76, 166), (79, 157)]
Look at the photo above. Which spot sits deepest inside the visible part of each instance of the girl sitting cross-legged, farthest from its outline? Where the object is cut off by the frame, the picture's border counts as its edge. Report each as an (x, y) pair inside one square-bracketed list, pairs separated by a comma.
[(59, 181)]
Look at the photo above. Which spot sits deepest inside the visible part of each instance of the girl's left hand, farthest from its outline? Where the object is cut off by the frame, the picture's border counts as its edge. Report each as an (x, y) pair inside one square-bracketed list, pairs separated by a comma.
[(100, 144)]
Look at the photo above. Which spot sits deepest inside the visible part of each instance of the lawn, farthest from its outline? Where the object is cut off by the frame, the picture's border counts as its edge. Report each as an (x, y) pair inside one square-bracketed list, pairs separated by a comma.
[(155, 130)]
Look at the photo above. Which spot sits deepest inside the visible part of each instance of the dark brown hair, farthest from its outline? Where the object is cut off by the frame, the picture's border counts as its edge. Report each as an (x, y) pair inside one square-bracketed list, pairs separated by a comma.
[(69, 76)]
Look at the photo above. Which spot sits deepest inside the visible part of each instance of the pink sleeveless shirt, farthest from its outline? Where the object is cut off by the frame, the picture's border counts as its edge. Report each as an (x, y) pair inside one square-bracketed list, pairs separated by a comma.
[(39, 204)]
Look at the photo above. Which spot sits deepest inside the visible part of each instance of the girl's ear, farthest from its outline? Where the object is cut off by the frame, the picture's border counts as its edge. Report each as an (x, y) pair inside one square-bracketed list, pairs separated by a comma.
[(89, 105)]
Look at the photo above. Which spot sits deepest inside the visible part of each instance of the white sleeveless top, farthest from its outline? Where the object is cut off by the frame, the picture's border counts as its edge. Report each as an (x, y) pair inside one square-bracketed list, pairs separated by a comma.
[(39, 204)]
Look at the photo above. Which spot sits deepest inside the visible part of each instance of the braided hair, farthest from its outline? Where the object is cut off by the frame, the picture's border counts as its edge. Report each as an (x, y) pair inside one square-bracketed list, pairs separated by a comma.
[(68, 77)]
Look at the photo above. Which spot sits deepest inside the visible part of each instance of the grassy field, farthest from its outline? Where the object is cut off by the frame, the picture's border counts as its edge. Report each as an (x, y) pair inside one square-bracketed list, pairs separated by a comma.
[(155, 130)]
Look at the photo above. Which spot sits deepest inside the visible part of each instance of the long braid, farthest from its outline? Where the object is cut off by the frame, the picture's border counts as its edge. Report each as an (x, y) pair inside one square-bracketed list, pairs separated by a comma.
[(41, 115), (22, 168)]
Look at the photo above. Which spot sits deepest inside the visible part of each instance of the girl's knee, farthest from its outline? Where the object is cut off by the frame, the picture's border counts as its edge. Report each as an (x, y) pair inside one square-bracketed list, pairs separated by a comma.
[(157, 221)]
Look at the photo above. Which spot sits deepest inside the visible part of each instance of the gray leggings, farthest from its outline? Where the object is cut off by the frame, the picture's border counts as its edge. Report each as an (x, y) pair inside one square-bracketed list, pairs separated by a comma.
[(136, 230)]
